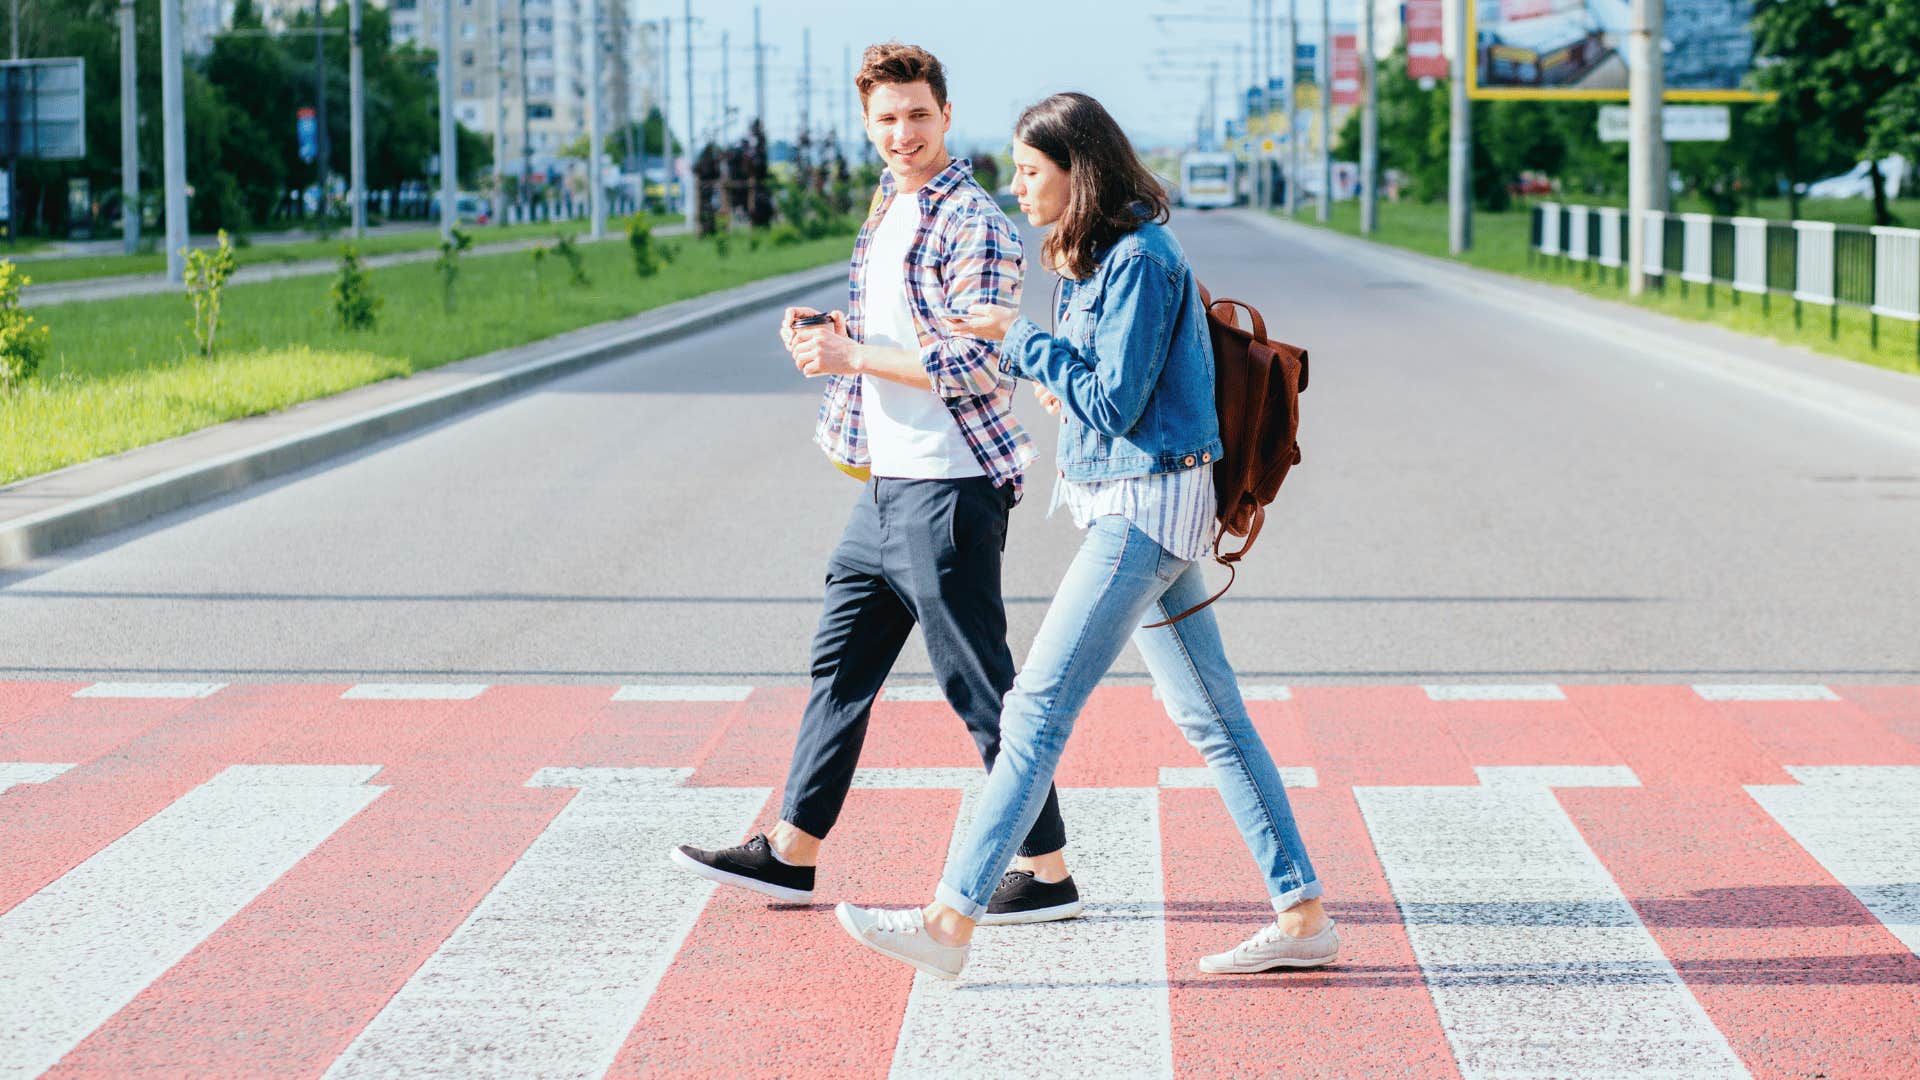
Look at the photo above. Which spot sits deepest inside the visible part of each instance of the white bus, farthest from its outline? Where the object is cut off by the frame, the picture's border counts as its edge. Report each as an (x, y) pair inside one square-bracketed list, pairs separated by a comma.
[(1207, 179)]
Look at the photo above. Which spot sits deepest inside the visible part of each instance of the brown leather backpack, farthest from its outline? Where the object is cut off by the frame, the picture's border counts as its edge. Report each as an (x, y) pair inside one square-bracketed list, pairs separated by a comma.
[(1256, 391)]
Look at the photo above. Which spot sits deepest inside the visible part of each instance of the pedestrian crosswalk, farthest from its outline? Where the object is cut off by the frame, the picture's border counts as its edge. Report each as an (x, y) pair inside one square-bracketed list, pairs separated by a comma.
[(469, 880)]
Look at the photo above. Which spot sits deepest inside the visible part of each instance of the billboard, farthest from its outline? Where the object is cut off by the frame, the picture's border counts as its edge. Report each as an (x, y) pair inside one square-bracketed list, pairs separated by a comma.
[(1578, 49), (1426, 53), (43, 109), (1345, 79)]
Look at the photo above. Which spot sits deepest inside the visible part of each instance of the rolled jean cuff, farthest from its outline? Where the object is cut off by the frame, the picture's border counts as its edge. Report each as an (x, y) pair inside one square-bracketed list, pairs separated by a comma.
[(1295, 897), (959, 901)]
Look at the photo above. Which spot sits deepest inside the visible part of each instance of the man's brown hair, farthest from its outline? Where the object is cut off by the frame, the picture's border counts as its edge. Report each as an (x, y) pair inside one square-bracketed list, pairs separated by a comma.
[(893, 62)]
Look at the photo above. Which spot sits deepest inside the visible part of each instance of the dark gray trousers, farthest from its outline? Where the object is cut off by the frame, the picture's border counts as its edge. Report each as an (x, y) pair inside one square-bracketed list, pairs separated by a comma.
[(923, 552)]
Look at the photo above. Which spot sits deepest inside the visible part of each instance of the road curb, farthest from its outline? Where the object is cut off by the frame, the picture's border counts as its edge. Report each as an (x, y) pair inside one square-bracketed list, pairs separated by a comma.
[(92, 516), (1883, 413)]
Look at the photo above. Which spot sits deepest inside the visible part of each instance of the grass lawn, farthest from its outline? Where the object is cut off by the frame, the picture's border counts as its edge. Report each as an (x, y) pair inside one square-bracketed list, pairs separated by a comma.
[(81, 267), (1500, 243), (125, 373)]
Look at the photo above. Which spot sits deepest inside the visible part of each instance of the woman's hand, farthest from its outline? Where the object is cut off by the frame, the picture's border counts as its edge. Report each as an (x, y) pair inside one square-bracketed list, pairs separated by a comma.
[(1047, 400), (983, 321)]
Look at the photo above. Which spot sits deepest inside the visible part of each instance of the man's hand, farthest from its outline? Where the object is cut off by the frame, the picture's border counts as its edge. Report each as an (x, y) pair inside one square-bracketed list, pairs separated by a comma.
[(983, 321), (820, 350), (788, 333)]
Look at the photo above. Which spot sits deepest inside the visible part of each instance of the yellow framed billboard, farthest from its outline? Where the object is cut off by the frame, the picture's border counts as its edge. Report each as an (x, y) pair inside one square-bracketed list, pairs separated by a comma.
[(1576, 50)]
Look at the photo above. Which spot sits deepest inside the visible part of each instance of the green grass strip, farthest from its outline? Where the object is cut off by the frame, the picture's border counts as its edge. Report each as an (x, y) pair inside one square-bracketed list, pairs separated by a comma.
[(123, 373), (1500, 244), (49, 271)]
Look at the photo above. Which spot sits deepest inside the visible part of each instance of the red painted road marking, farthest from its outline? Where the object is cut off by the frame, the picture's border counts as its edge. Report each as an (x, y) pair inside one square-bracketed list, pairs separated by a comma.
[(144, 756), (454, 819), (1670, 737), (25, 700), (1379, 735), (761, 990), (1368, 1016), (1525, 733), (754, 748), (1898, 707), (1818, 732), (1798, 975)]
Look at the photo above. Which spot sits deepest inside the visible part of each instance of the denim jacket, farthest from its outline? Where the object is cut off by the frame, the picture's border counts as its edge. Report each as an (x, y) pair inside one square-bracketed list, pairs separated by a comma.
[(1131, 362)]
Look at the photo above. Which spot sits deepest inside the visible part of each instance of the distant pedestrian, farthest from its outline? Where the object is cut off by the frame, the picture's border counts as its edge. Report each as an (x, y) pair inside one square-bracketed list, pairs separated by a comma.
[(1131, 367), (923, 413)]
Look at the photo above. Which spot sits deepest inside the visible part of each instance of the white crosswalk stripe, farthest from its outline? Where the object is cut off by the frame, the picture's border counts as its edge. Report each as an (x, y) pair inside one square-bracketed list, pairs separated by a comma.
[(14, 773), (683, 693), (84, 946), (1537, 964), (1862, 823), (554, 967), (1505, 692), (414, 692), (150, 690)]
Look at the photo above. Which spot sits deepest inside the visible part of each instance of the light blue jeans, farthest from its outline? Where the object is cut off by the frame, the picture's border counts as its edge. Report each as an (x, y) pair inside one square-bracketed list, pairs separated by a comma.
[(1120, 579)]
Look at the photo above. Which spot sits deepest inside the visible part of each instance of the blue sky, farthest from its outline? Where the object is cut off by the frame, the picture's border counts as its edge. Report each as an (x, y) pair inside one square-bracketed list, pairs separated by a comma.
[(1000, 56)]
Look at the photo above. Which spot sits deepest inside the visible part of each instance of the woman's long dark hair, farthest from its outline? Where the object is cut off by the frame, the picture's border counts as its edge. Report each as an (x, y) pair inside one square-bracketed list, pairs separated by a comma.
[(1106, 180)]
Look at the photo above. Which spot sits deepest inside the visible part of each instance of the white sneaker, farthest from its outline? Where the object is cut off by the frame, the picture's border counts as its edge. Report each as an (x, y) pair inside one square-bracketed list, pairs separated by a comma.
[(902, 934), (1269, 948)]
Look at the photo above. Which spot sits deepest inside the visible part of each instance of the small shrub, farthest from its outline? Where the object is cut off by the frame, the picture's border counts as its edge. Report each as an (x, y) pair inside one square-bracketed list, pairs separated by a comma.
[(647, 255), (23, 342), (722, 238), (353, 299), (207, 275), (564, 247), (448, 265), (539, 253)]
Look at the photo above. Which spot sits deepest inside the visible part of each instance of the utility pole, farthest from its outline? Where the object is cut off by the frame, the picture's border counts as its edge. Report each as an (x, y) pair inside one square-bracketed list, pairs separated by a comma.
[(759, 73), (1460, 141), (596, 185), (449, 151), (847, 141), (1292, 71), (1324, 206), (1255, 107), (173, 110), (666, 123), (499, 117), (324, 161), (1369, 127), (357, 120), (1646, 153), (726, 82), (1267, 21), (689, 188), (806, 83), (526, 119), (129, 133)]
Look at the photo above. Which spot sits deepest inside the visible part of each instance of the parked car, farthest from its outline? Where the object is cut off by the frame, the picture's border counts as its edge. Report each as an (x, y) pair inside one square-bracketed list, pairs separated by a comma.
[(1857, 182), (467, 206)]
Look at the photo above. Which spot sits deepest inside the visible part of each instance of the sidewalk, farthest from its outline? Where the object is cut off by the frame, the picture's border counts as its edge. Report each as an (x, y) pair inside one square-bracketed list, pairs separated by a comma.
[(112, 288), (1887, 401), (59, 509)]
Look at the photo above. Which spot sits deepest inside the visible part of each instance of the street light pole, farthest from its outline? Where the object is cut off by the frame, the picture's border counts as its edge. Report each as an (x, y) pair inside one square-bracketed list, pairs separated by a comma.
[(129, 133), (689, 193), (596, 188), (1646, 168), (357, 120), (1291, 62), (173, 139), (324, 149), (449, 150), (1324, 205), (1460, 141), (1369, 128)]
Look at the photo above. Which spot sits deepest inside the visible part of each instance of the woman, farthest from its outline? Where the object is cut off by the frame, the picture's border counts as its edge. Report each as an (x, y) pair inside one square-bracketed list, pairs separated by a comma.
[(1131, 366)]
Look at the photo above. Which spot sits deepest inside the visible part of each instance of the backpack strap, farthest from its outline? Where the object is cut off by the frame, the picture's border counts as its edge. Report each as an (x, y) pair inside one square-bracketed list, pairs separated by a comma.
[(1226, 559)]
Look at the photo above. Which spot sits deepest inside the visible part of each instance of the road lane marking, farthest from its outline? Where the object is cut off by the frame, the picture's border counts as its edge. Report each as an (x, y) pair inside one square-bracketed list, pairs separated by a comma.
[(1536, 962), (1764, 692), (150, 690), (912, 692), (1097, 983), (682, 693), (1253, 692), (551, 970), (1200, 776), (1507, 692), (414, 692), (1863, 824), (81, 948), (13, 773)]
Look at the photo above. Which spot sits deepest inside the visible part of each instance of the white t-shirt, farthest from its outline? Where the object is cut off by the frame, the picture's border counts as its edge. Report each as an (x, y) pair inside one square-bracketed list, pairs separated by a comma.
[(911, 433)]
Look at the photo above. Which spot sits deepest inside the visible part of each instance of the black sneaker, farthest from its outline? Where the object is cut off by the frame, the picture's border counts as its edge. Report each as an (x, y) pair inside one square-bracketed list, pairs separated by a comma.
[(1023, 898), (750, 866)]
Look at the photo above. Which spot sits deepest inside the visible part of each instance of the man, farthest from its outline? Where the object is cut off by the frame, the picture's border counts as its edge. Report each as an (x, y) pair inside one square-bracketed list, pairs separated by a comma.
[(926, 420)]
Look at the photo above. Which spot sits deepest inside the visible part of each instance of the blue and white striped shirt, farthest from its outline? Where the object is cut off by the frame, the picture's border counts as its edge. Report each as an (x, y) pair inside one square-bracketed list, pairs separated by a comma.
[(1175, 509)]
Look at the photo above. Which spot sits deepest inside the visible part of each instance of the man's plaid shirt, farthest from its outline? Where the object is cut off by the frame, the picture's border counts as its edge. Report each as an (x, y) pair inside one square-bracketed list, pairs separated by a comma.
[(965, 252)]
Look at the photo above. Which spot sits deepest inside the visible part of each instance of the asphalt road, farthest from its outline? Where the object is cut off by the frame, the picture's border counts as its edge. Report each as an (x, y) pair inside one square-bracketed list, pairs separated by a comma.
[(1483, 498)]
